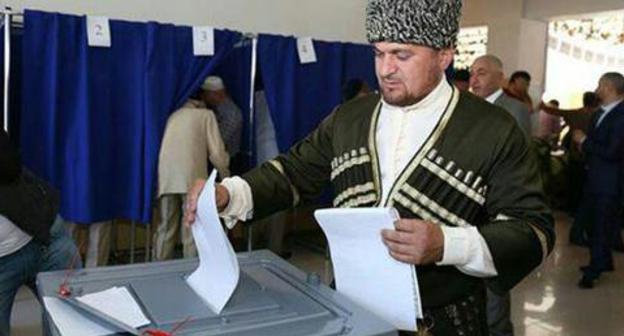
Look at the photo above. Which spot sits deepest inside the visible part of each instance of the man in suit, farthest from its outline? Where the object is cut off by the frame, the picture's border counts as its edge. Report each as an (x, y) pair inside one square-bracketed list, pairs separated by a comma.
[(603, 146), (486, 81)]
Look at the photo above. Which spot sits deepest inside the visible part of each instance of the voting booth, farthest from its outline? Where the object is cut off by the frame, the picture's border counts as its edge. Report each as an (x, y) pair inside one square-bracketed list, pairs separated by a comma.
[(272, 298)]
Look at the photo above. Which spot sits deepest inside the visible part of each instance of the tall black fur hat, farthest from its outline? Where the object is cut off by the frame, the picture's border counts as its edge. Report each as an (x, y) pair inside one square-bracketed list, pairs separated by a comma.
[(430, 23)]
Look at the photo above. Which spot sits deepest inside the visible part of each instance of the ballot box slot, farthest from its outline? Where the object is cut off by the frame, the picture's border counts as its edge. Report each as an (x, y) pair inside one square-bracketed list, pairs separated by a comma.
[(311, 291)]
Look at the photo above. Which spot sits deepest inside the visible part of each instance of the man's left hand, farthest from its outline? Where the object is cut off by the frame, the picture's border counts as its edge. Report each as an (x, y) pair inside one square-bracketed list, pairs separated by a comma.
[(415, 242)]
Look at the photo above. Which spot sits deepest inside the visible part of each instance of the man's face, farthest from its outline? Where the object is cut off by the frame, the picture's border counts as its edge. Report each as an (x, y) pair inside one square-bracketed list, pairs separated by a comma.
[(406, 72), (603, 90), (485, 78), (520, 85), (213, 98)]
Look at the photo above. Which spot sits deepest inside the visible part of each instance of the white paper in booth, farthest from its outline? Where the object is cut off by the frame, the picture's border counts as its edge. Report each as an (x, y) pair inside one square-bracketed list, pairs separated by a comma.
[(203, 41), (364, 270), (70, 322), (98, 31), (216, 277), (305, 48)]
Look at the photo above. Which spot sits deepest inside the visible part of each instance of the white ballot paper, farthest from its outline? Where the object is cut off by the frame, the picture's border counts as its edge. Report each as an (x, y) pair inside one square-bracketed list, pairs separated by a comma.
[(116, 302), (217, 275), (69, 322), (363, 268)]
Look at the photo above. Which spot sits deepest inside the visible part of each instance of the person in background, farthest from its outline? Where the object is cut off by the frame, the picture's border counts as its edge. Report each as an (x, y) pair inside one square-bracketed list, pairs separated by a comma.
[(33, 237), (603, 146), (229, 118), (549, 125), (95, 238), (518, 88), (354, 88), (486, 81), (461, 79), (377, 151), (576, 119), (192, 140), (266, 149)]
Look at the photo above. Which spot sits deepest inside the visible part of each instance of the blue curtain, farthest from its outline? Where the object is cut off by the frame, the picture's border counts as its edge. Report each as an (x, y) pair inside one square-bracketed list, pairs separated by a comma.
[(235, 70), (301, 95), (94, 117), (359, 62)]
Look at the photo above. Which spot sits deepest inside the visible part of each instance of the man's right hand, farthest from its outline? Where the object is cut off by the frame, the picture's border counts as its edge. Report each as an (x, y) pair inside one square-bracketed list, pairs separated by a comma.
[(190, 208)]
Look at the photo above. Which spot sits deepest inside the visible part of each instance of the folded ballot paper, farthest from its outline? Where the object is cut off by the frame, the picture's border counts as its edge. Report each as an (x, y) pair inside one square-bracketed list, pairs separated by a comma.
[(364, 270), (217, 275), (117, 303)]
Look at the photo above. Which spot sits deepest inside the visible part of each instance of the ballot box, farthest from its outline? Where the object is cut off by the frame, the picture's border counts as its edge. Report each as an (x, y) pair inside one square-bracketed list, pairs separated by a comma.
[(272, 298)]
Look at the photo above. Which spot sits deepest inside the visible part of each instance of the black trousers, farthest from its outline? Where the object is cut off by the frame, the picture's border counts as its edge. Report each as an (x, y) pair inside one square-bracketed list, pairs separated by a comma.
[(602, 212), (464, 317)]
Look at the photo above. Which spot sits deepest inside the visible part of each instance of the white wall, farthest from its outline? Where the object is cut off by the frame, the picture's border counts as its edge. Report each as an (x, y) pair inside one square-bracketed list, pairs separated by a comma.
[(340, 20), (517, 28), (503, 18), (544, 9), (532, 52), (516, 40)]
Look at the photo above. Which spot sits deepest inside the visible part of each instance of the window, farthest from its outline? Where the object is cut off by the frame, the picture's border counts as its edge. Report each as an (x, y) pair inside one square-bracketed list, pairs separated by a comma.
[(471, 44), (579, 52)]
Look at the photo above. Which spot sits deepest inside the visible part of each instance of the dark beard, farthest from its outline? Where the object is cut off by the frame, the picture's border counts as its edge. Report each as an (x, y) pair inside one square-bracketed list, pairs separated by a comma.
[(407, 99), (403, 101)]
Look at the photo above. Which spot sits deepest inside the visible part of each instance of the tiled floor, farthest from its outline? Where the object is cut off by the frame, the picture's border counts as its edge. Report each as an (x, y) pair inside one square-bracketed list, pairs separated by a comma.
[(547, 303)]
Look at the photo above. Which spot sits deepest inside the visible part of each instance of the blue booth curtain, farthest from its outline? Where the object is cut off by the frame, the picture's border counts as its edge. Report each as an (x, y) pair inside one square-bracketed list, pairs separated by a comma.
[(300, 96), (173, 74), (93, 118), (235, 70), (359, 62)]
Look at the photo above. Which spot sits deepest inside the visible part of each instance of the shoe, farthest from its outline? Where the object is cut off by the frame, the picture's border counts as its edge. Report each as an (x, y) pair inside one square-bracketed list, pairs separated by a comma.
[(586, 269), (586, 283)]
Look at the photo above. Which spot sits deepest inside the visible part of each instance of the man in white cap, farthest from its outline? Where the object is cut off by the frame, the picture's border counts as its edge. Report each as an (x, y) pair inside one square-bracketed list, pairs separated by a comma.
[(457, 169), (192, 139), (229, 116)]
